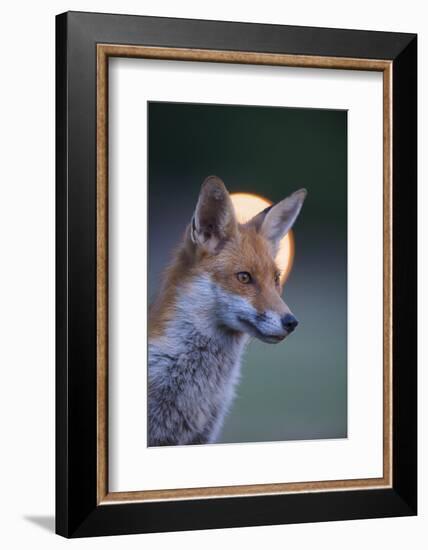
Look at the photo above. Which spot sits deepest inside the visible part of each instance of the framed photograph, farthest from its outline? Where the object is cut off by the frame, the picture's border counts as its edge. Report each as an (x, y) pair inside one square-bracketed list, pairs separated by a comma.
[(236, 274)]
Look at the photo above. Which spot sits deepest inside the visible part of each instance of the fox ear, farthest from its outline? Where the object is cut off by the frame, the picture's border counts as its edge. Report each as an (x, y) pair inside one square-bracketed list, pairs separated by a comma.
[(214, 219), (276, 221)]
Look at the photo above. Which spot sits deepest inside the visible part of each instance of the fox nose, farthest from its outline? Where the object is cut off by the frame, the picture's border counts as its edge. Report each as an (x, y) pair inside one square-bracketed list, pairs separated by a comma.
[(289, 322)]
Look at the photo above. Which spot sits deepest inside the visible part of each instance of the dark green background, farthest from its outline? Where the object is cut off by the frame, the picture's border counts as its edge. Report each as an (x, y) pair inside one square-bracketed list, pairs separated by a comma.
[(296, 389)]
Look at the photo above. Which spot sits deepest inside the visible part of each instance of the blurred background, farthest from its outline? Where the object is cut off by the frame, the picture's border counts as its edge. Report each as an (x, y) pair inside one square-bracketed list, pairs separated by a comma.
[(297, 389)]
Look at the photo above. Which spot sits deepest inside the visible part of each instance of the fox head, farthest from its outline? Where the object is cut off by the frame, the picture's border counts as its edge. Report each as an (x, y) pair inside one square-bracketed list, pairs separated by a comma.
[(238, 260)]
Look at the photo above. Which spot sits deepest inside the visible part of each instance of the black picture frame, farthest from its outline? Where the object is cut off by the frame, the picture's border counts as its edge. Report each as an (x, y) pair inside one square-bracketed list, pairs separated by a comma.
[(77, 511)]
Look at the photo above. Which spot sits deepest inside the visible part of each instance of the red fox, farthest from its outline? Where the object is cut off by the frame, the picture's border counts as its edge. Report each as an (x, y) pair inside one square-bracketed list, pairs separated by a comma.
[(222, 287)]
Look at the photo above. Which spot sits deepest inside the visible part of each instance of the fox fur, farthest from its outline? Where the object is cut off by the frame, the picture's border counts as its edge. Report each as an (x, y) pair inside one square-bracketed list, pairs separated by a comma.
[(222, 287)]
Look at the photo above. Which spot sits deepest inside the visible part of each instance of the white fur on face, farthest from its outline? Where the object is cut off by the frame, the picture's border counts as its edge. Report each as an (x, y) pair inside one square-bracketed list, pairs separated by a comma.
[(210, 307), (237, 313)]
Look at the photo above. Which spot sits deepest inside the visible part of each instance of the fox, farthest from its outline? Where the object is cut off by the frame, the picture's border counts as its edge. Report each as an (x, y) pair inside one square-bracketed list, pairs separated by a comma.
[(222, 288)]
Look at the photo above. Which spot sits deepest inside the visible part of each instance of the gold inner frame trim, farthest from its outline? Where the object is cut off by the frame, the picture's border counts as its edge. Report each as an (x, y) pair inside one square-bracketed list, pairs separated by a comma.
[(104, 51)]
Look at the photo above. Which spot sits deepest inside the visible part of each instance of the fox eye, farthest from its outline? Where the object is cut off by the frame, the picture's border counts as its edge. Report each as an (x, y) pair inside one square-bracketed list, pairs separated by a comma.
[(277, 278), (244, 277)]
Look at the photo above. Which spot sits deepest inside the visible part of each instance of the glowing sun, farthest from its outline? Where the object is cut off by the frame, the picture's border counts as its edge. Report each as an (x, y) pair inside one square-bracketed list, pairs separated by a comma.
[(246, 206)]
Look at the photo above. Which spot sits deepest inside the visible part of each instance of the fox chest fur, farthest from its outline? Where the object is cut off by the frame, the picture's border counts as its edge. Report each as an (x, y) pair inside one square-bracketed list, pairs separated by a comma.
[(192, 378)]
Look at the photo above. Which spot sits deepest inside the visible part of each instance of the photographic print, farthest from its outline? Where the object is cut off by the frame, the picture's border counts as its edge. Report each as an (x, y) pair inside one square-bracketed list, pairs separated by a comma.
[(247, 259)]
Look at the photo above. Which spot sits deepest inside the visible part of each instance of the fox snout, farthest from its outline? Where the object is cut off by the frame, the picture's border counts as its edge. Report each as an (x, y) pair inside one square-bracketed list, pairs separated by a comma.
[(269, 326), (276, 321), (273, 328)]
